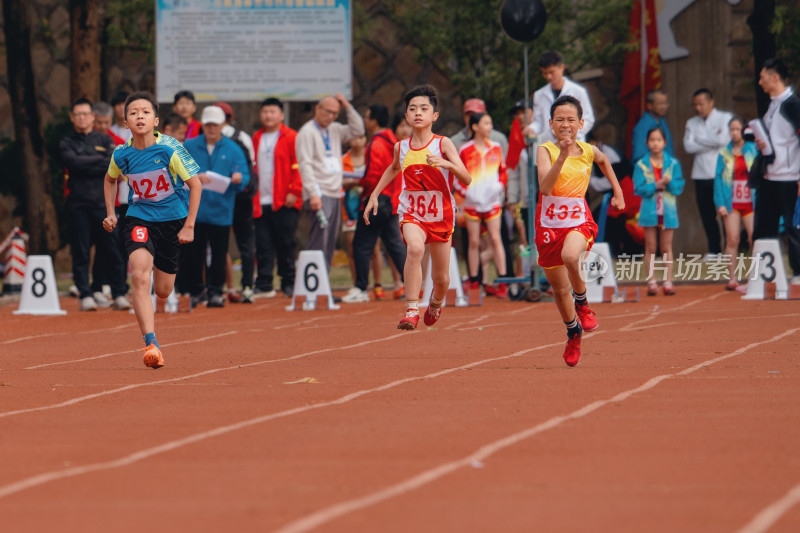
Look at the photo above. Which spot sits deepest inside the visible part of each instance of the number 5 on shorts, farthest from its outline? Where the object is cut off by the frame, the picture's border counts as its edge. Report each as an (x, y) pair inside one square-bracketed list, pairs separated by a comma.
[(139, 234)]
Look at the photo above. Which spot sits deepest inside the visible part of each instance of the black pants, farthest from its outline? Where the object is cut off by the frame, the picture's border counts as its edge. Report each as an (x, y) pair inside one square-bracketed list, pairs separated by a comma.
[(704, 193), (86, 229), (384, 225), (773, 200), (275, 239), (244, 231), (507, 235), (101, 270), (193, 259)]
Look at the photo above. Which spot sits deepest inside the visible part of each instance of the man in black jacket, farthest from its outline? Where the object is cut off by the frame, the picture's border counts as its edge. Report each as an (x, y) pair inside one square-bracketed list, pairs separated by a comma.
[(778, 191), (86, 154)]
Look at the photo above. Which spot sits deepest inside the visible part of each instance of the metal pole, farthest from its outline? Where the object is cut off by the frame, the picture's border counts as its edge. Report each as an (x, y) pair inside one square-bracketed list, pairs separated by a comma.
[(533, 187)]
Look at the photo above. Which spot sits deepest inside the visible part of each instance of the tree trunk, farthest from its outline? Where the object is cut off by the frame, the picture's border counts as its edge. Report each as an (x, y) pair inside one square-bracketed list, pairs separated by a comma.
[(84, 50), (764, 45), (42, 223)]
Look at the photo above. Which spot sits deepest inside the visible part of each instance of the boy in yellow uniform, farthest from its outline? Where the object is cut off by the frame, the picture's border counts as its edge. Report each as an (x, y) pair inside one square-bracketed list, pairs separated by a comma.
[(564, 226)]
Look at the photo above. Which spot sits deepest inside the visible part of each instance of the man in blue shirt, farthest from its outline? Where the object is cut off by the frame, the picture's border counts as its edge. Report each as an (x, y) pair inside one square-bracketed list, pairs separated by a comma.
[(221, 158), (657, 106)]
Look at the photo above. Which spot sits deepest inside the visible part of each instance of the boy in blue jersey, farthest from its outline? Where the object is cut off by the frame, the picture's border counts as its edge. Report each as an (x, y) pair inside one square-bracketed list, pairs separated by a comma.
[(163, 199)]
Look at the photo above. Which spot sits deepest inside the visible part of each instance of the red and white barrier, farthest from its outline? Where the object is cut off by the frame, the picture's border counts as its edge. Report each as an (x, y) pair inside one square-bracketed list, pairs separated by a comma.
[(16, 259)]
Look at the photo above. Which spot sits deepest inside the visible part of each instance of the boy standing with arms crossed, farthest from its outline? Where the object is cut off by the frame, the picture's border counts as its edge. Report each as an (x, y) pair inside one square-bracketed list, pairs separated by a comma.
[(428, 163), (163, 198)]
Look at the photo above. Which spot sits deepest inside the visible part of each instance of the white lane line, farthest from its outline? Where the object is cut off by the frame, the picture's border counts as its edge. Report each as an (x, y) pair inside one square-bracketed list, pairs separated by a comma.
[(80, 399), (726, 319), (767, 518), (102, 356), (88, 332), (41, 479), (323, 516), (657, 310)]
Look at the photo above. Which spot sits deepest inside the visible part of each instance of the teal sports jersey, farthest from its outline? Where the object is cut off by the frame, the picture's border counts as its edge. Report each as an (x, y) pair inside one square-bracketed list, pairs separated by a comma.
[(155, 176)]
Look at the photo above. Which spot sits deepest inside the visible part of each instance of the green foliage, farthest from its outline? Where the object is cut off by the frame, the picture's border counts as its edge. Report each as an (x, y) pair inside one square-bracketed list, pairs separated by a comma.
[(786, 29), (131, 24), (469, 46)]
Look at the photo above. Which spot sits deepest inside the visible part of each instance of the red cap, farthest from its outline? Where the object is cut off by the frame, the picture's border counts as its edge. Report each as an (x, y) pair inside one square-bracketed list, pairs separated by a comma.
[(474, 105), (226, 108)]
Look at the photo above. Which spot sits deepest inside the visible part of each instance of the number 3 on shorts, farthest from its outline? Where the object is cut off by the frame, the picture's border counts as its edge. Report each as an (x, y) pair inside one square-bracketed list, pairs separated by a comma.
[(139, 234), (546, 237)]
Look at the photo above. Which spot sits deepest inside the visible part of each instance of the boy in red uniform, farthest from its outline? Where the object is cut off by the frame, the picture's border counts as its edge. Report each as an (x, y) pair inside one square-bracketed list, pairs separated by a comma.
[(428, 163), (564, 226)]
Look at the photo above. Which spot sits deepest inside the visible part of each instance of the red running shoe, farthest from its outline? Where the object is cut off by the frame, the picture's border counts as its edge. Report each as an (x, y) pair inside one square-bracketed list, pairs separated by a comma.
[(153, 357), (572, 352), (502, 290), (409, 321), (586, 317), (379, 293), (432, 314)]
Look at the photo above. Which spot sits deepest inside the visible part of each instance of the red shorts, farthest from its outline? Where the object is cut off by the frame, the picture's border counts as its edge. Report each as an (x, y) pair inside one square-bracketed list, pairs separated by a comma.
[(483, 216), (744, 209), (550, 241), (431, 235)]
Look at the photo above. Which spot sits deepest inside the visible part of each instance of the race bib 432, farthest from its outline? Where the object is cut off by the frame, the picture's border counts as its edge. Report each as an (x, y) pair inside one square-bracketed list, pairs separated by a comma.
[(560, 212)]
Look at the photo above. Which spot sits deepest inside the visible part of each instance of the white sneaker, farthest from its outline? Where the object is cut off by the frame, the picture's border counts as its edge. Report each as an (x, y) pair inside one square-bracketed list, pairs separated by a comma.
[(795, 280), (120, 303), (355, 296), (101, 300), (258, 294), (73, 291), (88, 304)]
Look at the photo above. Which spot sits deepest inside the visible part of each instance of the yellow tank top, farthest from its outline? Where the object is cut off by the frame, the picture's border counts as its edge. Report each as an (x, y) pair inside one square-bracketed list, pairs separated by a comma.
[(574, 178)]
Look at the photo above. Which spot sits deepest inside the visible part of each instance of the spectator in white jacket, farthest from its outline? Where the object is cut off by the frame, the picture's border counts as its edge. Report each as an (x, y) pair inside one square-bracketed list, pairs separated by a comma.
[(319, 156), (706, 134), (552, 67)]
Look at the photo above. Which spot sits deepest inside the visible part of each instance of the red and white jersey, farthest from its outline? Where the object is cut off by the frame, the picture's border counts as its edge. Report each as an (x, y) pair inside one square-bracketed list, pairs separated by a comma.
[(487, 189), (427, 191)]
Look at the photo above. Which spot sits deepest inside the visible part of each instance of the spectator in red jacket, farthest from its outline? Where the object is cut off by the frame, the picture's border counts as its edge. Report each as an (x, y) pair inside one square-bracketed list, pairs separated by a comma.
[(379, 156), (280, 190)]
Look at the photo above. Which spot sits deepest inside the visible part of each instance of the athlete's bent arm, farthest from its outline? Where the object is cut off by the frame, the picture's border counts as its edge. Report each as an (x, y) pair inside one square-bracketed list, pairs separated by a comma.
[(110, 193), (388, 175), (617, 202), (186, 234)]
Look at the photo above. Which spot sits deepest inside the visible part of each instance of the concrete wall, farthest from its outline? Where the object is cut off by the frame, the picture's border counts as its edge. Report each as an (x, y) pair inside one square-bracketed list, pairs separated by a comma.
[(720, 59)]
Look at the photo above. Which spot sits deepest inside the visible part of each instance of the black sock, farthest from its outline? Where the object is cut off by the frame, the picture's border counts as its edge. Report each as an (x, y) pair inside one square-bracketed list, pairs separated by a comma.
[(580, 299), (573, 328)]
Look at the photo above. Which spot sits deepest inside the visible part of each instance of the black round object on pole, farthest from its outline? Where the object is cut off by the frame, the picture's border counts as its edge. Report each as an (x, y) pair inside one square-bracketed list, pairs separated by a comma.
[(523, 20)]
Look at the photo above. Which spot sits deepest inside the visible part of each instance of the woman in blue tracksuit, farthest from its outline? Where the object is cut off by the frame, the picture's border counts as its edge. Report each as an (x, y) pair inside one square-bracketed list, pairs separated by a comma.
[(733, 198), (213, 152), (658, 180)]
